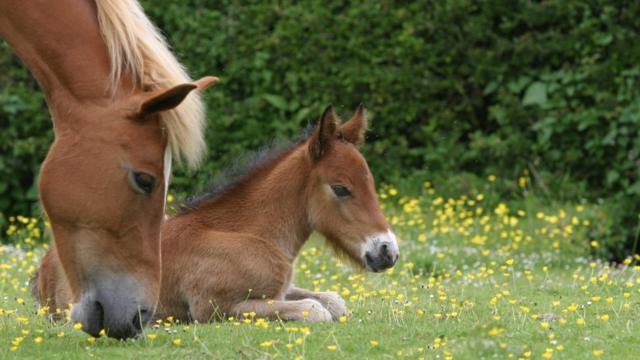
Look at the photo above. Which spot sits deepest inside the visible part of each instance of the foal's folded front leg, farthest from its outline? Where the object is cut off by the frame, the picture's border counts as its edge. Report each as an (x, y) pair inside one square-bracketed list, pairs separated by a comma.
[(301, 310), (329, 299)]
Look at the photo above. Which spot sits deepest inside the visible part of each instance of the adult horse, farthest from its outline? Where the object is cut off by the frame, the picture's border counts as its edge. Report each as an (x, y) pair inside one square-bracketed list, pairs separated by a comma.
[(113, 90)]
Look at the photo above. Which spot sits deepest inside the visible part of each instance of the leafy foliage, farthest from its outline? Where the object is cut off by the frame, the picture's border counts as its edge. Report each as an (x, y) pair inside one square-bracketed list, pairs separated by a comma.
[(454, 86)]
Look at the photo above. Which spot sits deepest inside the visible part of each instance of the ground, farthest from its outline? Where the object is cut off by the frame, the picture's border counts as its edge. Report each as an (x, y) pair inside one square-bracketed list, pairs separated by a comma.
[(478, 278)]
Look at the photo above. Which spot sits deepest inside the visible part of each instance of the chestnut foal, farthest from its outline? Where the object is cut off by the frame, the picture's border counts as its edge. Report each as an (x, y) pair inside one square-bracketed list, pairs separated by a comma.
[(232, 252)]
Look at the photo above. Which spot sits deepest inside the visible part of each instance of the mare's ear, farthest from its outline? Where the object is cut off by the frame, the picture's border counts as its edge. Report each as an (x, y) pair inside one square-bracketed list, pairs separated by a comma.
[(167, 99), (324, 135), (354, 129)]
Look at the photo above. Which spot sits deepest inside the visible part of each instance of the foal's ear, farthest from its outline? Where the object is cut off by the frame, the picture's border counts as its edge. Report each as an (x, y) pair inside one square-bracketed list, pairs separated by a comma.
[(323, 136), (167, 99), (354, 129)]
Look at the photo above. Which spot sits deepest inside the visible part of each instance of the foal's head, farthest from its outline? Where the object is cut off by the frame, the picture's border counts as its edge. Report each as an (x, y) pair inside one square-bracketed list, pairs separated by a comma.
[(342, 198), (103, 187)]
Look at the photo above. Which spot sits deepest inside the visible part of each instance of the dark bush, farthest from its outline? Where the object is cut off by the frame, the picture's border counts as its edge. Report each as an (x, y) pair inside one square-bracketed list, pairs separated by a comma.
[(455, 86)]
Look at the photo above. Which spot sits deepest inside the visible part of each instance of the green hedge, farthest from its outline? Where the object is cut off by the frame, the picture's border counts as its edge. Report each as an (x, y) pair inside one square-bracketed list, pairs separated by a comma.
[(453, 86)]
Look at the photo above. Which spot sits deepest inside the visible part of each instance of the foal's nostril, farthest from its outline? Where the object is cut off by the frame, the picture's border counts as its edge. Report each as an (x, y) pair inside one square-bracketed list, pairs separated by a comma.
[(369, 258), (384, 253)]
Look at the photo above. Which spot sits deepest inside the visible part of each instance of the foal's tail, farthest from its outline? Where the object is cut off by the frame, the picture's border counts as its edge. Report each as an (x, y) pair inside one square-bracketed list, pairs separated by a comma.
[(33, 285)]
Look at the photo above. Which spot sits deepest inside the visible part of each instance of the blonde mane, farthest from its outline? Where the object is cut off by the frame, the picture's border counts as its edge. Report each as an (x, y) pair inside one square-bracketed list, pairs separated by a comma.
[(138, 50)]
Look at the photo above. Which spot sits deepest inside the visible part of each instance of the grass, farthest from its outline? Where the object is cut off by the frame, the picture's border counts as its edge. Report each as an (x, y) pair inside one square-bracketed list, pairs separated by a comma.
[(478, 278)]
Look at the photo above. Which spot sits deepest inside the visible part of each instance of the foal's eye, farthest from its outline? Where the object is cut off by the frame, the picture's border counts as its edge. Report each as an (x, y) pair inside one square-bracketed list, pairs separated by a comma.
[(341, 191), (142, 182)]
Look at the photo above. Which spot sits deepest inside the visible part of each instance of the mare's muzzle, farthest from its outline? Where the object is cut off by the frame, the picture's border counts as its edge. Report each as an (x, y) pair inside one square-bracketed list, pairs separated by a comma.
[(117, 305)]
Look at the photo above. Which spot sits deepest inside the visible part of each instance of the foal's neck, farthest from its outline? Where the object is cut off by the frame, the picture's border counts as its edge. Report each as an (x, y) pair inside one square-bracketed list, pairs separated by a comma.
[(270, 203)]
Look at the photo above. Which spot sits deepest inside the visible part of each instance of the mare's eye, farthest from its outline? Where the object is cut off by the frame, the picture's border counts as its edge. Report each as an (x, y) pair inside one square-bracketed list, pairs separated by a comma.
[(341, 191), (142, 182)]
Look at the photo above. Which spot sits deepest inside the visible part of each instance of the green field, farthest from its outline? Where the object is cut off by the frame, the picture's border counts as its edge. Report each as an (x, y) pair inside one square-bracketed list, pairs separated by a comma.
[(478, 278)]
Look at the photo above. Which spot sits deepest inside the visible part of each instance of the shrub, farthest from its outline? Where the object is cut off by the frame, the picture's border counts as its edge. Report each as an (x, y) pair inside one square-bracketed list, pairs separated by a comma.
[(456, 86)]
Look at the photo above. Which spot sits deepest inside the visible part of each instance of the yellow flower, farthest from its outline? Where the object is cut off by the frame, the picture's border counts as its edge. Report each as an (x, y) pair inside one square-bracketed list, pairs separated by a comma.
[(609, 300), (580, 321), (522, 182), (37, 340), (177, 342), (332, 347), (545, 325), (77, 326), (373, 343), (598, 353), (151, 336), (509, 262), (343, 319)]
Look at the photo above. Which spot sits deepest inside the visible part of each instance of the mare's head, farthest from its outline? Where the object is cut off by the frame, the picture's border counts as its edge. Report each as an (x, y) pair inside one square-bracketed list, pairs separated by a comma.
[(103, 187), (343, 205)]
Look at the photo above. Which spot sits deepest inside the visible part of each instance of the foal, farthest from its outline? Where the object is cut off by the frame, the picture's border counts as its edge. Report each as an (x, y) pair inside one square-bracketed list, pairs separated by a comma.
[(232, 252)]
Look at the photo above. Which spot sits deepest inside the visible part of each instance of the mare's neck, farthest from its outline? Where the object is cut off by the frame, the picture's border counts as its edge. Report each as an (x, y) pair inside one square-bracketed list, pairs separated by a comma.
[(270, 204), (61, 44)]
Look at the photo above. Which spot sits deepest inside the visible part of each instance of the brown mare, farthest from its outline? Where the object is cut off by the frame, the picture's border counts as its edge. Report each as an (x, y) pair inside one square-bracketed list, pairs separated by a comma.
[(113, 90), (232, 252)]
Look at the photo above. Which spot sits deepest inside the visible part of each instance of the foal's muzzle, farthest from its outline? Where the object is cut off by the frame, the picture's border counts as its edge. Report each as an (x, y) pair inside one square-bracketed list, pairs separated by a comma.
[(116, 305), (381, 251)]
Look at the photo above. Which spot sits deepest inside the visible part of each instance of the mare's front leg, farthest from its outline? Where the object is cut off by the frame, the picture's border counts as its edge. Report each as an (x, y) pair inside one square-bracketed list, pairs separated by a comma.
[(329, 299), (298, 310)]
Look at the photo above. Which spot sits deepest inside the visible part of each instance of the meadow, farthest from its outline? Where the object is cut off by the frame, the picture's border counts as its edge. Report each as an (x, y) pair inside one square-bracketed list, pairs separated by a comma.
[(479, 277)]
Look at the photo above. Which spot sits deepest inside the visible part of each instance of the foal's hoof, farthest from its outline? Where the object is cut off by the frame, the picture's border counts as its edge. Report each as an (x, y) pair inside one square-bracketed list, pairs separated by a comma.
[(334, 303), (313, 311)]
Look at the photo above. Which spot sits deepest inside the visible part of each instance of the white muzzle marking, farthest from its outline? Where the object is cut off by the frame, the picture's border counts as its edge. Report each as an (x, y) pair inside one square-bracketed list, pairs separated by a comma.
[(380, 251)]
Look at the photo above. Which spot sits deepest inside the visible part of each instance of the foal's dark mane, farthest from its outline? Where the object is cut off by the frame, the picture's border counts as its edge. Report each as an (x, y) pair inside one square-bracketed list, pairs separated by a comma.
[(240, 171)]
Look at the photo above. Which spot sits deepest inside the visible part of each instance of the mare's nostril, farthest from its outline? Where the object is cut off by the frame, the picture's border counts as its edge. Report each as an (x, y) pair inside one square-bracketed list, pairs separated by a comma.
[(136, 322), (141, 318), (100, 316)]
